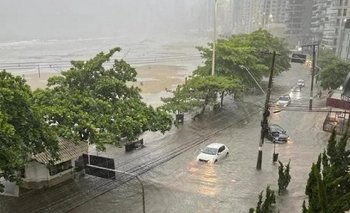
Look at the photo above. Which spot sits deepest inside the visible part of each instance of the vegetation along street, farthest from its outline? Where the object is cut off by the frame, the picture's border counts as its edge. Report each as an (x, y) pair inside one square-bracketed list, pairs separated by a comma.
[(250, 121)]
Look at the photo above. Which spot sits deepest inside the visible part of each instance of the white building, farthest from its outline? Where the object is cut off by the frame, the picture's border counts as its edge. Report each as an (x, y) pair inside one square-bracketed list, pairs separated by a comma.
[(39, 172)]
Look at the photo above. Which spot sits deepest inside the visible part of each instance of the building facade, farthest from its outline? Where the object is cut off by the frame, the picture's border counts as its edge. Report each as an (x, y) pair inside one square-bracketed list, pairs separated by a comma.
[(298, 21)]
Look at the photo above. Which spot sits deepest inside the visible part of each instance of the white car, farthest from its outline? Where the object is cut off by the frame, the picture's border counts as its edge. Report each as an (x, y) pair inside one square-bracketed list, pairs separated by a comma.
[(301, 83), (284, 100), (213, 153)]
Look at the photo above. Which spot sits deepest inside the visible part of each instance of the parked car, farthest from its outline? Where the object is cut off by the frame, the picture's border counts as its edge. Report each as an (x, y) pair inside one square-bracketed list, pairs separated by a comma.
[(301, 83), (213, 153), (284, 100), (276, 134)]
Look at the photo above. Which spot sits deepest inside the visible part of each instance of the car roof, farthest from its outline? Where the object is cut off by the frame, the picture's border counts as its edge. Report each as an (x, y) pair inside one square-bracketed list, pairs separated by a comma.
[(275, 126), (215, 145), (300, 80)]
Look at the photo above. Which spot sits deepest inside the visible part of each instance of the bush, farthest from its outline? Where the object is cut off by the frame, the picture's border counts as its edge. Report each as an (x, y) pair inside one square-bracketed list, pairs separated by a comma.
[(283, 176)]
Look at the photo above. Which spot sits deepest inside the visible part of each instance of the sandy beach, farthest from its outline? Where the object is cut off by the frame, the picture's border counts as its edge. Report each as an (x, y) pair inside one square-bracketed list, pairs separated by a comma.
[(150, 78)]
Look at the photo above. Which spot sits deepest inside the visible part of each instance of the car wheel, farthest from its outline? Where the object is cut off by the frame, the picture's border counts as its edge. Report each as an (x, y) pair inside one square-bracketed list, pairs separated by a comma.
[(215, 161), (227, 154)]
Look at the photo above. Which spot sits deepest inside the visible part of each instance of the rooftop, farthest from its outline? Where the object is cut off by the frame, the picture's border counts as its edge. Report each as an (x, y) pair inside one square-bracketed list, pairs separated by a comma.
[(67, 150)]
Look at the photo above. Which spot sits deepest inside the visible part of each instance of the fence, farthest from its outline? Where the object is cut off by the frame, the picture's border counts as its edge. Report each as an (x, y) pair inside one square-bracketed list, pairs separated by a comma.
[(339, 121)]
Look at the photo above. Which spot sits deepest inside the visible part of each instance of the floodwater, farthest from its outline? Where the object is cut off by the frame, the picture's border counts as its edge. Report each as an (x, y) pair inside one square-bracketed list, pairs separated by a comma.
[(232, 185)]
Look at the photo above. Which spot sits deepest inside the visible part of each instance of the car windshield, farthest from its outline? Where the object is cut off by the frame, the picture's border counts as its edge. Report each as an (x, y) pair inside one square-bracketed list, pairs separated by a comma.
[(284, 98), (275, 127), (210, 151)]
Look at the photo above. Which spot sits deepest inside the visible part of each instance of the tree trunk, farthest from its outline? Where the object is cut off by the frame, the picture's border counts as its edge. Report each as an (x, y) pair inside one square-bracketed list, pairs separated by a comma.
[(222, 98), (205, 104)]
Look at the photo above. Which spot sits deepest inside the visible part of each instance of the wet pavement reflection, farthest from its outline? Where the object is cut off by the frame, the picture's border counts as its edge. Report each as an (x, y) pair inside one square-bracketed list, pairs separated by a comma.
[(232, 185)]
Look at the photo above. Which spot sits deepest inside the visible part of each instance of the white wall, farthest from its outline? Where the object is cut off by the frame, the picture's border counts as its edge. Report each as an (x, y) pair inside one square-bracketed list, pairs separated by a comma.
[(35, 171)]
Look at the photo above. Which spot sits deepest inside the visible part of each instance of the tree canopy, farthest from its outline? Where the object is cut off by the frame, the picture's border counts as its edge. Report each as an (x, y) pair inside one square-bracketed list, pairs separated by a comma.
[(334, 73), (236, 56), (328, 186), (333, 69), (93, 101), (249, 50), (200, 91), (23, 131)]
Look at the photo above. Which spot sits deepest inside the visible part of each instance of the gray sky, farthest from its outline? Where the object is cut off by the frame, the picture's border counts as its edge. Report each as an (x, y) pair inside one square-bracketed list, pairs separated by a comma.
[(56, 19)]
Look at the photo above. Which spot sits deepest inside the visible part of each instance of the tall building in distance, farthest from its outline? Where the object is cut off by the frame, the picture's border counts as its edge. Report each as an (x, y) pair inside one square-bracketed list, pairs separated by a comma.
[(298, 21), (247, 15), (329, 38), (241, 16), (274, 11), (318, 19), (329, 18), (341, 7)]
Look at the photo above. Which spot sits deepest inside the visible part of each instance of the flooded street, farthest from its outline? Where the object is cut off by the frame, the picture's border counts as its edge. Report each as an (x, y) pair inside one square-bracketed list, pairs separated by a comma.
[(184, 185)]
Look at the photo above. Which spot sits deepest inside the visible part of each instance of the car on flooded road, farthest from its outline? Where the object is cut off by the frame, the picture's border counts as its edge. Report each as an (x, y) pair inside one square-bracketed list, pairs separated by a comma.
[(276, 134), (213, 153), (301, 83), (284, 100)]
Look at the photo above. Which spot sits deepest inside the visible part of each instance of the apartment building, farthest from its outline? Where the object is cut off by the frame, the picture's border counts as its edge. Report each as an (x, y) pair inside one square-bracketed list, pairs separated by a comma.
[(298, 21), (318, 19), (274, 11), (341, 7)]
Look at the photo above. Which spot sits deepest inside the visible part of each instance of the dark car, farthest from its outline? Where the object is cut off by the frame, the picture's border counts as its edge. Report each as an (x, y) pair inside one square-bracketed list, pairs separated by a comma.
[(276, 134)]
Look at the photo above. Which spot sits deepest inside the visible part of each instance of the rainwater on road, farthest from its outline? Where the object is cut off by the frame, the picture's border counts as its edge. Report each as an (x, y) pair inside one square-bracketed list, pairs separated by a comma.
[(184, 185)]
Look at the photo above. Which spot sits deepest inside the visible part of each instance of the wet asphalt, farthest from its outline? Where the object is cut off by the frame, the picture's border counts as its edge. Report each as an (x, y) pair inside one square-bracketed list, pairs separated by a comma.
[(184, 185)]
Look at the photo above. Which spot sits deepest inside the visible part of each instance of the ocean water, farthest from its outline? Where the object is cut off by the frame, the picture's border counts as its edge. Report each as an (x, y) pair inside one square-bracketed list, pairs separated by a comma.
[(54, 55)]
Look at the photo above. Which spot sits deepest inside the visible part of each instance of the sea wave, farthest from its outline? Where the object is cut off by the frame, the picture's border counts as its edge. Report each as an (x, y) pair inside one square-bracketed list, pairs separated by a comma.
[(19, 43)]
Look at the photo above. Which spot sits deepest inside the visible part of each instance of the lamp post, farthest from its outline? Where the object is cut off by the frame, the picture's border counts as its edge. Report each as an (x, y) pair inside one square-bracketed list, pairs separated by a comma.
[(269, 19), (142, 187), (214, 39), (245, 68)]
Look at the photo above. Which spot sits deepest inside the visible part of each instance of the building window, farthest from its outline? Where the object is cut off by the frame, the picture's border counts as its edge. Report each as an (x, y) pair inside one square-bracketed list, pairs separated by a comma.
[(339, 12), (60, 167), (344, 12), (338, 22), (22, 172), (346, 3), (340, 2)]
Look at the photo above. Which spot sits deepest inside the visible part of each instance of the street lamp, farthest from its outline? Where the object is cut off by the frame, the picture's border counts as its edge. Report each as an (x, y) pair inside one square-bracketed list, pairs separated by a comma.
[(142, 187), (269, 20), (245, 68), (126, 173), (214, 39)]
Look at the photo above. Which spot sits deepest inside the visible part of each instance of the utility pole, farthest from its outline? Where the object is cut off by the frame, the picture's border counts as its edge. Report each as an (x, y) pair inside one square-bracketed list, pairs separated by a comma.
[(214, 40), (312, 71), (264, 123), (39, 70), (312, 76)]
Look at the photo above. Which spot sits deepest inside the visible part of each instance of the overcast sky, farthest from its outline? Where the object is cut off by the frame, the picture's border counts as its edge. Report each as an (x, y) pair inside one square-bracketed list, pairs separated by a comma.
[(55, 19)]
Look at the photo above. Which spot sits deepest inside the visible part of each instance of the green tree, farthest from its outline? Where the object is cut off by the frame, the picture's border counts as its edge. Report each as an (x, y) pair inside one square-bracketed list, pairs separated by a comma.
[(283, 176), (95, 102), (334, 73), (247, 50), (201, 91), (328, 186), (266, 206), (325, 57), (22, 130)]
